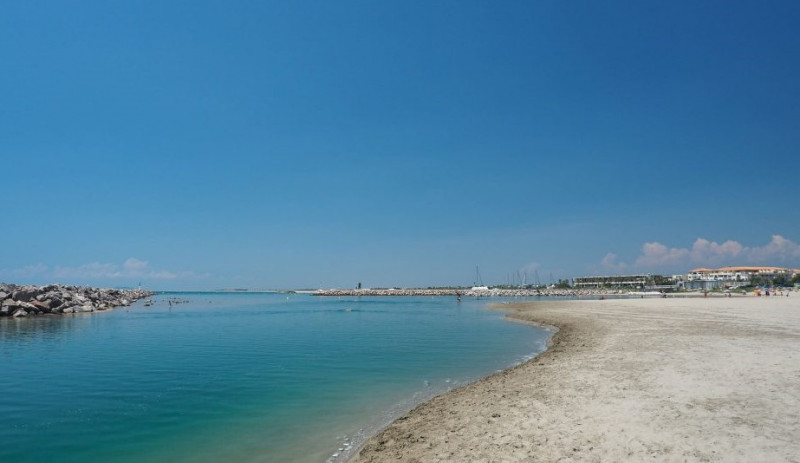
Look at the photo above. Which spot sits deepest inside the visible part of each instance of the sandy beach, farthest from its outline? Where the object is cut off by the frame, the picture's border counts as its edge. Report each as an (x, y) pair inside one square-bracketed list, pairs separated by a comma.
[(668, 380)]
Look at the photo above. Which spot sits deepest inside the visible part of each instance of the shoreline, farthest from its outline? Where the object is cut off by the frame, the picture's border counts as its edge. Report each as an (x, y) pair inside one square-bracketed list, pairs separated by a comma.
[(350, 455), (678, 379)]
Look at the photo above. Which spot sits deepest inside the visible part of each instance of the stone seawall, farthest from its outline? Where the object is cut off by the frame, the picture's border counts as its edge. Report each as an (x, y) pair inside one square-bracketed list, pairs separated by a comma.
[(494, 292), (24, 301)]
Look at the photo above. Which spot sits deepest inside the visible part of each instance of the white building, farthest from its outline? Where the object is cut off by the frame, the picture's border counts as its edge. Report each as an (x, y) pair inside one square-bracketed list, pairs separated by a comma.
[(735, 276)]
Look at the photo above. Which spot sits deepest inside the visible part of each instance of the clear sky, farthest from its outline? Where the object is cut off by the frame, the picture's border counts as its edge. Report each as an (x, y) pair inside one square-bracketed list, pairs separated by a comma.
[(202, 145)]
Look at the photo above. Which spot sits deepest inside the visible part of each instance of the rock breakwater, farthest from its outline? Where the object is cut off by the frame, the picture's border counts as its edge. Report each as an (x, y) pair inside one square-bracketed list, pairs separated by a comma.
[(28, 300)]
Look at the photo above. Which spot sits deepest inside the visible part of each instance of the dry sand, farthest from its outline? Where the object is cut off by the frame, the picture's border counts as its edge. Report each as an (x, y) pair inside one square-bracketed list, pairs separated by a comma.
[(683, 380)]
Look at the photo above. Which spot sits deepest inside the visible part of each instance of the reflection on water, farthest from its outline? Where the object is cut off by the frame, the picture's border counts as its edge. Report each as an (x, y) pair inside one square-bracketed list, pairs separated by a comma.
[(39, 328)]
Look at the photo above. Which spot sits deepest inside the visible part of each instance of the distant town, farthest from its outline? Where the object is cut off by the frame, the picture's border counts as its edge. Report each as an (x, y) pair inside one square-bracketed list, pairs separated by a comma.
[(699, 279), (705, 280)]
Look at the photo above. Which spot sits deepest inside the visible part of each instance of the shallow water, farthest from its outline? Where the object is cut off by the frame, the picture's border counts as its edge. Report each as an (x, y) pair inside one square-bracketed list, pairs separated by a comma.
[(238, 377)]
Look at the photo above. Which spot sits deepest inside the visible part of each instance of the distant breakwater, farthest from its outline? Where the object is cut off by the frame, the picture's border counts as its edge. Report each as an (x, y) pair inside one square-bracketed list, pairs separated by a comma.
[(23, 301), (493, 292)]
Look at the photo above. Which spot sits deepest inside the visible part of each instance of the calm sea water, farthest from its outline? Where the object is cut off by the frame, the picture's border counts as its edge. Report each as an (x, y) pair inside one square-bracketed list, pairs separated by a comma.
[(238, 377)]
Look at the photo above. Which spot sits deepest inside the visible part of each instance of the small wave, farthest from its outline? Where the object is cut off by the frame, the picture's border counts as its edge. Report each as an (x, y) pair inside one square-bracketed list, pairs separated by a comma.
[(348, 310)]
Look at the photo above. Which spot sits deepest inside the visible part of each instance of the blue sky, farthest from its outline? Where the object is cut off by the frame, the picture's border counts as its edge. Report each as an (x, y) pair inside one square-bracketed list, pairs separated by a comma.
[(193, 145)]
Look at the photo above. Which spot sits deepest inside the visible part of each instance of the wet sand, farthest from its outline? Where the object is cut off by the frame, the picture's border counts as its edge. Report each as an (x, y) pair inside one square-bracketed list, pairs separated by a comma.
[(668, 380)]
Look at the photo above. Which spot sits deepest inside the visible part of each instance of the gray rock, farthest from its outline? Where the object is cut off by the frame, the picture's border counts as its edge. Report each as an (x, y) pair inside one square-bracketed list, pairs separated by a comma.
[(25, 294), (39, 304), (20, 313), (42, 306), (27, 306), (4, 295)]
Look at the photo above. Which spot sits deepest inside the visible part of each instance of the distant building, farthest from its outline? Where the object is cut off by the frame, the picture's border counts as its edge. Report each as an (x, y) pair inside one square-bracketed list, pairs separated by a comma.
[(732, 277), (614, 281), (703, 279)]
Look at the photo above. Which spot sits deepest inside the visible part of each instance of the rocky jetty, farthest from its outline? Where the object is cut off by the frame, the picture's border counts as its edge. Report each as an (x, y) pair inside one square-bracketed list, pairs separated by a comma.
[(24, 301)]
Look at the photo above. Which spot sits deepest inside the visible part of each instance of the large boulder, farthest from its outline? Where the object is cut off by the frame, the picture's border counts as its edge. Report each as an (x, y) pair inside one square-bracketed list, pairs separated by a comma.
[(27, 306), (43, 306), (25, 294), (20, 313), (4, 295), (66, 305)]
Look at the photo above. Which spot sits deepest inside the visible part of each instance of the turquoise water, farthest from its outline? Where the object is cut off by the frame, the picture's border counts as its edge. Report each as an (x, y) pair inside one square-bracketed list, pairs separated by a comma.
[(238, 377)]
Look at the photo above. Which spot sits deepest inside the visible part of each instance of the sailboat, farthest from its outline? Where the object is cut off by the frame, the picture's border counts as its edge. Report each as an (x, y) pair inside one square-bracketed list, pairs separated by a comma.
[(479, 282)]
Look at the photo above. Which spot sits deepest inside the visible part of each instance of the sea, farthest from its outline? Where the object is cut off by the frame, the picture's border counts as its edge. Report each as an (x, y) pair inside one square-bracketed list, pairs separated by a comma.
[(239, 377)]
